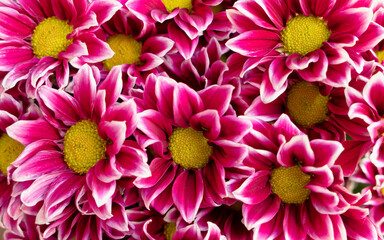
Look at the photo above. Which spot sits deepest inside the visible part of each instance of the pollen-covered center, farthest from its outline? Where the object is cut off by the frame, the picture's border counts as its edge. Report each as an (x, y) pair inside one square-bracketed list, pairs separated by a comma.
[(10, 149), (288, 183), (304, 34), (83, 147), (172, 4), (189, 148), (50, 37), (306, 105), (380, 55), (169, 230), (127, 50)]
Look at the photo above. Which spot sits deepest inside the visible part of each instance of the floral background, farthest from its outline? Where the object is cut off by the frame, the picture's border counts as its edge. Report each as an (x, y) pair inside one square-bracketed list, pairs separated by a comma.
[(192, 119)]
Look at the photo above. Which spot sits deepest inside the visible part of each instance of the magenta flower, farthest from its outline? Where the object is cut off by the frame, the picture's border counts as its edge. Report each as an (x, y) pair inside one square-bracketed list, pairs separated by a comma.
[(78, 154), (39, 38), (278, 32), (296, 190), (136, 45), (195, 146), (190, 18)]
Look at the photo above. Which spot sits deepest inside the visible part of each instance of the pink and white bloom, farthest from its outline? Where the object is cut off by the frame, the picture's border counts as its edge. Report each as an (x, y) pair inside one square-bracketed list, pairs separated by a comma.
[(78, 155), (296, 190), (276, 32), (40, 39), (195, 145)]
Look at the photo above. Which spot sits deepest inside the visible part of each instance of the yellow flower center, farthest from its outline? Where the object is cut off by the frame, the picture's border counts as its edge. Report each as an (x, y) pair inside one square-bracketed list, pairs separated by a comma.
[(217, 8), (50, 37), (306, 105), (127, 50), (304, 34), (83, 147), (288, 183), (189, 148), (380, 55), (169, 230), (172, 4), (10, 149)]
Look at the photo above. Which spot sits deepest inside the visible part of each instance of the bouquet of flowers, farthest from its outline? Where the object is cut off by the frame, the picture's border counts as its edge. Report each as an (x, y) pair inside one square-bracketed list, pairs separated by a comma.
[(192, 119)]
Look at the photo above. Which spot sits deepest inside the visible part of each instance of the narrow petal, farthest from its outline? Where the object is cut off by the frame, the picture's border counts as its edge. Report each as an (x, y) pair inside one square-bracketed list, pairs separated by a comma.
[(113, 85), (262, 212), (217, 97), (85, 88), (187, 193), (101, 192), (292, 230), (208, 120)]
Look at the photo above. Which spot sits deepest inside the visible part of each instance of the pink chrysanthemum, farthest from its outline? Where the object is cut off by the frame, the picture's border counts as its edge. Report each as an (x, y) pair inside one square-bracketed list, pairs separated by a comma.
[(320, 40), (78, 154), (39, 38), (190, 18), (195, 145), (136, 44), (296, 190)]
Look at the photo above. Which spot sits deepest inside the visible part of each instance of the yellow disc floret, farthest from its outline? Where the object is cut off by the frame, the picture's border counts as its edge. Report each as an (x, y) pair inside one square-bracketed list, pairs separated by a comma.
[(169, 230), (288, 183), (10, 149), (304, 34), (50, 37), (189, 148), (83, 147), (380, 55), (172, 4), (306, 105), (127, 50)]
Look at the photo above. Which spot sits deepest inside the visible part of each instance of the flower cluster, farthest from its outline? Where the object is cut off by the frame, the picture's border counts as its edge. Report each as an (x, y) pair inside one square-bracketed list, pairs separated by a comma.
[(192, 119)]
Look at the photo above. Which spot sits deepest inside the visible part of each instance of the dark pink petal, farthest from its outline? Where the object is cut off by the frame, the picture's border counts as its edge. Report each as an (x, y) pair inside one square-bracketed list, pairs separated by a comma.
[(267, 93), (158, 45), (44, 66), (286, 127), (320, 176), (293, 230), (41, 163), (187, 193), (105, 170), (338, 75), (18, 73), (230, 154), (254, 12), (131, 161), (14, 51), (353, 20), (298, 149), (115, 132), (377, 155), (323, 200), (97, 49), (319, 8), (364, 112), (272, 229), (370, 38), (183, 43), (163, 202), (104, 10), (29, 131), (15, 24), (316, 71), (265, 111), (33, 8), (63, 105), (217, 97), (240, 22), (6, 119), (234, 128), (262, 212), (186, 103), (326, 152), (73, 51), (85, 89), (149, 61), (373, 92), (255, 189), (112, 85), (143, 9), (213, 233), (278, 72), (360, 228), (296, 61), (209, 121), (277, 12), (353, 152), (164, 90), (125, 111), (102, 192), (316, 225), (254, 43), (189, 232), (214, 182)]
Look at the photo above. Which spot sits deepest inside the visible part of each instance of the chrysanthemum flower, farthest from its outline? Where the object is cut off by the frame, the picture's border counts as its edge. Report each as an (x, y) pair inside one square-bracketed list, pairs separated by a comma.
[(296, 190), (195, 145), (41, 38), (189, 19), (76, 155), (136, 45), (320, 40), (12, 109)]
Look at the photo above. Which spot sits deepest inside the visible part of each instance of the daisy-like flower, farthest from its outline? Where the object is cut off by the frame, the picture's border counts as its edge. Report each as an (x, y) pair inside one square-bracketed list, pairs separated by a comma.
[(190, 18), (296, 190), (41, 38), (136, 45), (12, 109), (195, 145), (76, 155), (320, 40)]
